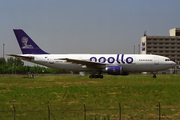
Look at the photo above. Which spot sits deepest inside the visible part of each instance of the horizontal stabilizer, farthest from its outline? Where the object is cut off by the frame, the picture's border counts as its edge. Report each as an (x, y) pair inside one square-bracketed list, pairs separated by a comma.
[(27, 58)]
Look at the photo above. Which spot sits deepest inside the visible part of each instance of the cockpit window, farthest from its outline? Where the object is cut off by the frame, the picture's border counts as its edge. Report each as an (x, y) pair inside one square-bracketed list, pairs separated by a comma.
[(167, 59)]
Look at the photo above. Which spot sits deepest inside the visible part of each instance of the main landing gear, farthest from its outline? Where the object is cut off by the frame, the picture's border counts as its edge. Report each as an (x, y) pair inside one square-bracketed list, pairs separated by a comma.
[(95, 76)]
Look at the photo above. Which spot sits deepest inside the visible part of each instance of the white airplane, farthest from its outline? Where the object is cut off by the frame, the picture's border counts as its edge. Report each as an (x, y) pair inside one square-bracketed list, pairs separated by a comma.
[(114, 64)]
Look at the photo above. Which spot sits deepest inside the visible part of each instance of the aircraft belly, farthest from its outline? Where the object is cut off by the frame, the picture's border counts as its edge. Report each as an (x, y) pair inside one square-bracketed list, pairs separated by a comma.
[(67, 66), (161, 67), (144, 68), (138, 68), (128, 68)]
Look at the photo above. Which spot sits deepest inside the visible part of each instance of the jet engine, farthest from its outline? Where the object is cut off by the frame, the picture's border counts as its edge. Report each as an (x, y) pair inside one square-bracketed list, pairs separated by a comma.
[(115, 70)]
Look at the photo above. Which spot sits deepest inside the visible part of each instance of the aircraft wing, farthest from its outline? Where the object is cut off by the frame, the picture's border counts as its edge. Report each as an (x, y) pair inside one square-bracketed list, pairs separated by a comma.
[(84, 62), (28, 58)]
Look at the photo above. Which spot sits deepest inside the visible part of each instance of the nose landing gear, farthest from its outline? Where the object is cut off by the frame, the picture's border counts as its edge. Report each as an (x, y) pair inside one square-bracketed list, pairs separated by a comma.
[(154, 74)]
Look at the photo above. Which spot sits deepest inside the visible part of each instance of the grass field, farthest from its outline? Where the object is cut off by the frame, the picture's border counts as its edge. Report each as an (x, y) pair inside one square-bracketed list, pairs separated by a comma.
[(138, 95)]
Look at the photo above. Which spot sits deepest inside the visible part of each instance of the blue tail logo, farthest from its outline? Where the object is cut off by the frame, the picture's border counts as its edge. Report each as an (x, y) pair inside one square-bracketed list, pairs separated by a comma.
[(27, 45)]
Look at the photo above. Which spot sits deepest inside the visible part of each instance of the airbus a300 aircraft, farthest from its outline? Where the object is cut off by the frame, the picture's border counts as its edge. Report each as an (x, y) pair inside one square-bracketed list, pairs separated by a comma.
[(114, 64)]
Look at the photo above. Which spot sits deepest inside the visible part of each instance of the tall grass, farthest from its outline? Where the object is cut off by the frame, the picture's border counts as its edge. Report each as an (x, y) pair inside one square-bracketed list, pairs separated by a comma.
[(136, 93)]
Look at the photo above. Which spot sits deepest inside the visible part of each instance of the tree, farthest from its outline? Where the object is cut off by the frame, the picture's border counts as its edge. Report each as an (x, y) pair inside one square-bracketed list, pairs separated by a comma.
[(2, 61), (2, 65), (15, 63), (10, 61), (18, 62)]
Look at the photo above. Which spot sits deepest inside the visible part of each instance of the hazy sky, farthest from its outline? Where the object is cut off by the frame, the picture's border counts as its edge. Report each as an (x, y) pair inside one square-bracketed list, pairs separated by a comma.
[(86, 26)]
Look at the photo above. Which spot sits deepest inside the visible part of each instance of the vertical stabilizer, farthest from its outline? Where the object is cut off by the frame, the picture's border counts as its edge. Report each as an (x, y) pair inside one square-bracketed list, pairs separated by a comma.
[(26, 44)]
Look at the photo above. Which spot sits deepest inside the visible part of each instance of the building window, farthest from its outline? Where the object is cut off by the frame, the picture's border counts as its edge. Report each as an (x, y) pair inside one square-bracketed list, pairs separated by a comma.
[(177, 33)]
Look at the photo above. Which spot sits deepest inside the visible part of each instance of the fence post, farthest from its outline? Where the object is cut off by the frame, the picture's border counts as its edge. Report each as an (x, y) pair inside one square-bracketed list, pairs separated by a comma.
[(159, 111), (84, 112), (14, 112), (48, 112), (119, 111)]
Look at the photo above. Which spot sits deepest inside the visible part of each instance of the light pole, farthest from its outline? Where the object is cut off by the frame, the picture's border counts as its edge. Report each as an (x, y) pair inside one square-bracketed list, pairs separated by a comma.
[(3, 49), (3, 58)]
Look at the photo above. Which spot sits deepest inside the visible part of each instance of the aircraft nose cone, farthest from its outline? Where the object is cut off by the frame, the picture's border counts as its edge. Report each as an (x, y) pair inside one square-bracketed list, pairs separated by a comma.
[(173, 64)]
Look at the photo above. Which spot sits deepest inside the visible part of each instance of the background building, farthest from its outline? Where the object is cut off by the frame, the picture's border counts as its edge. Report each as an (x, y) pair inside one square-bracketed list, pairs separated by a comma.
[(168, 46)]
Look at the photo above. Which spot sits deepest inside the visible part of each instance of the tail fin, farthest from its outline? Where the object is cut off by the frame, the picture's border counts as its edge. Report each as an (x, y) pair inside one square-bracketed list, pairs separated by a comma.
[(27, 45)]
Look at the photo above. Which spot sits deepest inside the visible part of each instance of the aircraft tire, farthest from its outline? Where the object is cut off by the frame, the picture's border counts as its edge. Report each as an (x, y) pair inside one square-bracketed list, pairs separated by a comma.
[(154, 76), (101, 76), (91, 76), (95, 76)]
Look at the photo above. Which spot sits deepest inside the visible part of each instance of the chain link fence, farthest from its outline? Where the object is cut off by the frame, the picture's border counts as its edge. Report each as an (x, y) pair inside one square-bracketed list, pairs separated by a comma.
[(118, 113)]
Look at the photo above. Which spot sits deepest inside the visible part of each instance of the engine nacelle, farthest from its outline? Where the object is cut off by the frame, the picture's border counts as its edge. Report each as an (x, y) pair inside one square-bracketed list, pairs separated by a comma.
[(115, 70)]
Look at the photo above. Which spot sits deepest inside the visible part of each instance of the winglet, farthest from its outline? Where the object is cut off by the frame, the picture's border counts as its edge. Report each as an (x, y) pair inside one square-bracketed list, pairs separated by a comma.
[(26, 44)]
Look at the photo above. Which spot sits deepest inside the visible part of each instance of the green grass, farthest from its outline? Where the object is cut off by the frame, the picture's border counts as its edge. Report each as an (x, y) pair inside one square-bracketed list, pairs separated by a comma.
[(139, 96)]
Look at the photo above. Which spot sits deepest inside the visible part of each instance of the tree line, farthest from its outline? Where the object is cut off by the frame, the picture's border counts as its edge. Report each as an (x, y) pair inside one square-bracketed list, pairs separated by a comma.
[(16, 66)]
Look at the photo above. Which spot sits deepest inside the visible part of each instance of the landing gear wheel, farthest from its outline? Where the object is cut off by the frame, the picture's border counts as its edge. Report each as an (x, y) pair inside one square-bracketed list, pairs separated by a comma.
[(91, 76), (101, 76), (95, 76), (154, 76)]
